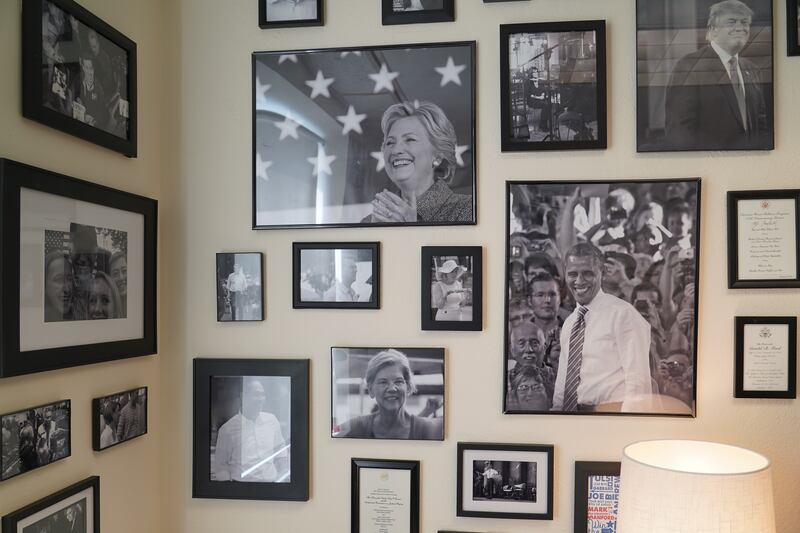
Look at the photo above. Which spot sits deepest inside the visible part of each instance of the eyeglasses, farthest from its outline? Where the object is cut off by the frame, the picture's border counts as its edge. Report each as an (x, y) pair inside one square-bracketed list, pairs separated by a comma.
[(525, 387), (385, 383)]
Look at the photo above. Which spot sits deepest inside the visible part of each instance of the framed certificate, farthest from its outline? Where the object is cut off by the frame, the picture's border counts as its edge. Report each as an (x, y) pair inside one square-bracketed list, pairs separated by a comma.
[(385, 496), (763, 239), (766, 357)]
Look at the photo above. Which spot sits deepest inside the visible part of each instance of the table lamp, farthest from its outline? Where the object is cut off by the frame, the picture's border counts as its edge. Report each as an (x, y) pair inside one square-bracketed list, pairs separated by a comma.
[(685, 486)]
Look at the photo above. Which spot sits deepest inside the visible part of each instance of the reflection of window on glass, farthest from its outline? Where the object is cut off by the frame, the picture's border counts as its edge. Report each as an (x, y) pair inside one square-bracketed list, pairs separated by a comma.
[(278, 10)]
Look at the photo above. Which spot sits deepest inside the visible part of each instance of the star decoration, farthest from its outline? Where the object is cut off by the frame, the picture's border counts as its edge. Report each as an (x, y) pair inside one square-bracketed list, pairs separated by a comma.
[(261, 89), (287, 57), (322, 163), (261, 168), (383, 79), (288, 128), (381, 161), (354, 52), (319, 85), (450, 72), (460, 149), (351, 121)]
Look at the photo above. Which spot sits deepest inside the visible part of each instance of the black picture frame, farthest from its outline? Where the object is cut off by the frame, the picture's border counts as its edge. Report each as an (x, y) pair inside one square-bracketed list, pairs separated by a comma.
[(464, 448), (298, 370), (349, 94), (791, 372), (17, 177), (14, 522), (427, 314), (34, 86), (356, 464), (98, 408), (374, 300), (793, 28), (265, 24), (447, 13), (734, 278), (584, 470), (227, 306), (515, 105), (34, 421)]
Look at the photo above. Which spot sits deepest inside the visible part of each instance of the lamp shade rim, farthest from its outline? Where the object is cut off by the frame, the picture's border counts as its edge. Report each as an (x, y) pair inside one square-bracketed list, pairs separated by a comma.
[(758, 462)]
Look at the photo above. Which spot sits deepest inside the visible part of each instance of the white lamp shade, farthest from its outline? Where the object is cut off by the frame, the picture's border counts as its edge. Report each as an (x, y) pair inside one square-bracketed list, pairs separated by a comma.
[(682, 486)]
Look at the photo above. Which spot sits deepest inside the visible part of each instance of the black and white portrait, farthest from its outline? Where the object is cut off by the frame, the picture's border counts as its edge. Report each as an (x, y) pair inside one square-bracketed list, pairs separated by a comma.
[(283, 10), (119, 417), (367, 136), (451, 287), (70, 519), (602, 296), (239, 287), (336, 275), (33, 438), (509, 480), (553, 86), (399, 6), (387, 393), (704, 79), (250, 429)]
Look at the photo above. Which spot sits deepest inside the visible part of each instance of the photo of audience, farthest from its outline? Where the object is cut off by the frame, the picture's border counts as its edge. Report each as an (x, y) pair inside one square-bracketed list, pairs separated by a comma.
[(34, 438), (119, 417)]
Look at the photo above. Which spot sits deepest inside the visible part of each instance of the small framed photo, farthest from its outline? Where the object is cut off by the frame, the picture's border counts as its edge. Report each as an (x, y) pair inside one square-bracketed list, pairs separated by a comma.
[(553, 86), (78, 74), (766, 357), (35, 437), (75, 508), (596, 496), (384, 496), (452, 288), (764, 239), (290, 13), (417, 11), (79, 277), (505, 481), (240, 289), (251, 429), (118, 418), (792, 26), (387, 393), (336, 275)]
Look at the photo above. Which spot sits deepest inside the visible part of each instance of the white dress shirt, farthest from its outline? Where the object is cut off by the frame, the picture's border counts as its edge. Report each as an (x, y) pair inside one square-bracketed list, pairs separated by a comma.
[(725, 57), (246, 450)]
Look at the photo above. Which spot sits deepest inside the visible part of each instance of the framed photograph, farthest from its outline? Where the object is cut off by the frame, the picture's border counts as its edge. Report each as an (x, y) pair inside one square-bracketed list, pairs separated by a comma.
[(78, 74), (118, 418), (384, 496), (79, 272), (452, 288), (369, 136), (35, 437), (336, 275), (764, 239), (505, 481), (416, 11), (704, 75), (766, 357), (498, 1), (387, 393), (553, 86), (602, 296), (290, 13), (75, 508), (251, 429), (240, 290), (596, 496), (792, 25)]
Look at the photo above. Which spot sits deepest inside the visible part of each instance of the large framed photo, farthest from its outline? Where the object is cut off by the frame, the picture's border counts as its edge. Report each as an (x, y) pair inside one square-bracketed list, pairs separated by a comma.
[(35, 437), (793, 27), (336, 275), (118, 418), (370, 136), (505, 481), (79, 272), (384, 496), (240, 287), (704, 75), (766, 357), (387, 393), (596, 496), (251, 429), (416, 11), (78, 74), (452, 288), (553, 86), (75, 508), (290, 13), (764, 239), (601, 297)]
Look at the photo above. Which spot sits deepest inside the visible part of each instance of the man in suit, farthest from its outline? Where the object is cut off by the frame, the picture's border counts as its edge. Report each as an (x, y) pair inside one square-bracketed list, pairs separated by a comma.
[(715, 98)]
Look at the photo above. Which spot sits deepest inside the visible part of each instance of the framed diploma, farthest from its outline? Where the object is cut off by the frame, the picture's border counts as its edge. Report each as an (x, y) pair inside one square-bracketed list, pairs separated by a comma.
[(766, 357), (763, 239), (385, 496)]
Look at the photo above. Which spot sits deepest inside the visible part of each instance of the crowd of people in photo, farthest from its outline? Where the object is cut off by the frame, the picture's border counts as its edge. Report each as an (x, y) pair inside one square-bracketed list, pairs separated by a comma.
[(122, 417), (34, 438), (71, 519)]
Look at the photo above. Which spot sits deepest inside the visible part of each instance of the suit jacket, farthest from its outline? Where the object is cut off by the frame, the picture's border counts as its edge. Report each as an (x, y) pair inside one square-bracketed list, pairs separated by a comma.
[(701, 107)]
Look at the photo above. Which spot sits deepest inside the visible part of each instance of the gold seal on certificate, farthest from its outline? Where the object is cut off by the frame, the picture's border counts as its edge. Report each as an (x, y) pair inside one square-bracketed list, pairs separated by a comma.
[(766, 357), (385, 496)]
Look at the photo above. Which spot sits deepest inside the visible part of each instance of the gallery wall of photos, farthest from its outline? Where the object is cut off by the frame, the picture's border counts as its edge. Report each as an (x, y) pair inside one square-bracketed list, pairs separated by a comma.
[(453, 257)]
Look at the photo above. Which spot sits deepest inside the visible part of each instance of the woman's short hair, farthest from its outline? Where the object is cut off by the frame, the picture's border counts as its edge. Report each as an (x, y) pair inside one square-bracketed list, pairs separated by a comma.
[(440, 130), (387, 358), (116, 300)]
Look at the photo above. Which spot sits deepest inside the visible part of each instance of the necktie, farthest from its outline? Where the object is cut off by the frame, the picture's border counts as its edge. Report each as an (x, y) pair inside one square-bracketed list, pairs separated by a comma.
[(575, 360), (738, 90)]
